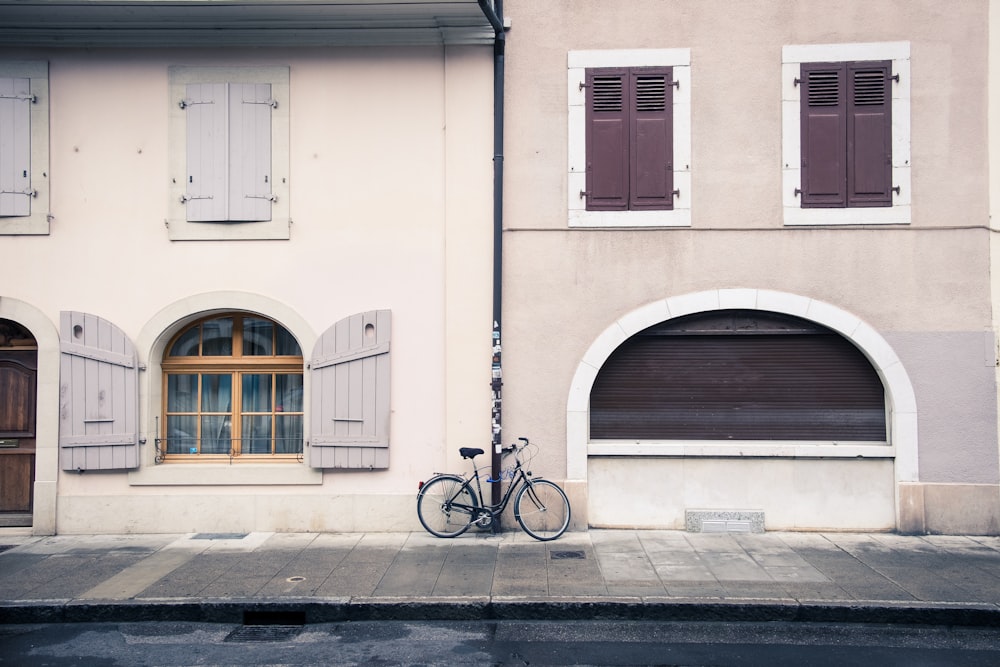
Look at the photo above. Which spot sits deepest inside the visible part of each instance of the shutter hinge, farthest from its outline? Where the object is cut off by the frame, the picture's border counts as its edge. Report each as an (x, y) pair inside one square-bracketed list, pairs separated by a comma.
[(273, 103), (27, 98), (185, 198), (895, 189), (185, 103), (894, 77), (269, 197), (676, 193), (583, 84), (796, 81), (584, 194), (27, 193), (797, 192)]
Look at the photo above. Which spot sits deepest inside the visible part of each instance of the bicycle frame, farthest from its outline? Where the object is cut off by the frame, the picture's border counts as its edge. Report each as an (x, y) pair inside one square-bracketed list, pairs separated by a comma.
[(520, 477)]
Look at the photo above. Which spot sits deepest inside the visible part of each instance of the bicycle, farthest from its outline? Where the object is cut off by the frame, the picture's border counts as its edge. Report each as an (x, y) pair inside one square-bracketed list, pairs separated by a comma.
[(448, 504)]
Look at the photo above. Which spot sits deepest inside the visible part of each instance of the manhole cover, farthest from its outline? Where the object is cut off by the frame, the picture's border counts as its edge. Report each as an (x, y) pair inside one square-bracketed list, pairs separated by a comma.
[(264, 633), (567, 555)]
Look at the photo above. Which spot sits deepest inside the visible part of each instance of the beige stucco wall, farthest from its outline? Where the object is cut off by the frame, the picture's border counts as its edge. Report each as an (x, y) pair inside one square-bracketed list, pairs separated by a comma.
[(923, 286), (391, 206)]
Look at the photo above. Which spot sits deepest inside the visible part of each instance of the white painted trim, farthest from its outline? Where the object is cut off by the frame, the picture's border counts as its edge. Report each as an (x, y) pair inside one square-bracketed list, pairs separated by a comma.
[(578, 62), (278, 227), (46, 410), (150, 346), (37, 222), (792, 57), (900, 398)]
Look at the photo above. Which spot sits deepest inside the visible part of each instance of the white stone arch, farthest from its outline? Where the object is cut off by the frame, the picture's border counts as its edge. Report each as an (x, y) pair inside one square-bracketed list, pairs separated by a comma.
[(900, 398), (150, 346), (46, 410)]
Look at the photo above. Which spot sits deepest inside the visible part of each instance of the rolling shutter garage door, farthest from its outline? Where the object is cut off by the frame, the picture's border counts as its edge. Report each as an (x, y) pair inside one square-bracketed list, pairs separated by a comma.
[(738, 375)]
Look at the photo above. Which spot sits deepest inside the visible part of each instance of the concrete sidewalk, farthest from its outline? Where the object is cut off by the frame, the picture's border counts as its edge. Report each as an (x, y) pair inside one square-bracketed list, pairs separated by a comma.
[(583, 575)]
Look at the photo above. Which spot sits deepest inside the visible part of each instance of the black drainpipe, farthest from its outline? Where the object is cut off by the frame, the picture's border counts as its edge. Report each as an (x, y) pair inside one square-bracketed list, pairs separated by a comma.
[(495, 17)]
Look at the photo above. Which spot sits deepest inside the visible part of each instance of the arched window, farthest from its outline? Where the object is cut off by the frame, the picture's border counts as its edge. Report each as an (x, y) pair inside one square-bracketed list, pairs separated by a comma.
[(232, 388), (738, 375)]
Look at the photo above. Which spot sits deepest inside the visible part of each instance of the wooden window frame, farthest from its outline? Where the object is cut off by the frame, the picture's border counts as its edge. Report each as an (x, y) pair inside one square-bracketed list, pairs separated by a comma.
[(236, 365), (578, 62)]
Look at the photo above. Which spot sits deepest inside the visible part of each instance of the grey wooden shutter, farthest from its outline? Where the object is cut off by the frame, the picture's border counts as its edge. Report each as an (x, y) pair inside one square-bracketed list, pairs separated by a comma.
[(651, 141), (824, 135), (207, 152), (98, 395), (350, 393), (15, 147), (607, 139), (250, 151), (869, 134)]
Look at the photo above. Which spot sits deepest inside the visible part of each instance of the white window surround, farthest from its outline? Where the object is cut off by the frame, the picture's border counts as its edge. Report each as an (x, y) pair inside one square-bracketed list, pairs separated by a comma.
[(901, 408), (38, 221), (278, 227), (791, 155), (578, 63), (150, 346)]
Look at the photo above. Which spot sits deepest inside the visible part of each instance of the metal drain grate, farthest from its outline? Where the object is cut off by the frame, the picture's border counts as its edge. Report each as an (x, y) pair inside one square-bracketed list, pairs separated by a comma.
[(264, 633), (567, 555), (219, 536)]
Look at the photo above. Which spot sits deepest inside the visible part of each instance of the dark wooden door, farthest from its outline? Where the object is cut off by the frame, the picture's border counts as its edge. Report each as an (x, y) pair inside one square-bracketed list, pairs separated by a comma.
[(18, 378)]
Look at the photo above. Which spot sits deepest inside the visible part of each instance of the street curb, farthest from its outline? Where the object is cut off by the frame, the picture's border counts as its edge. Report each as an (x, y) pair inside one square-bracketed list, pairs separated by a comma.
[(485, 608)]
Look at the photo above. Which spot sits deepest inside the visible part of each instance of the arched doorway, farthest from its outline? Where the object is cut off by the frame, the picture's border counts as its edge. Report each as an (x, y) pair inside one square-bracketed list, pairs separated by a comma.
[(18, 419)]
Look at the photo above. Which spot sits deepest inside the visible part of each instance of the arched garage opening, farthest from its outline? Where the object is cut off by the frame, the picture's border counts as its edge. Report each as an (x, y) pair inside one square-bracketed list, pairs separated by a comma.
[(805, 460)]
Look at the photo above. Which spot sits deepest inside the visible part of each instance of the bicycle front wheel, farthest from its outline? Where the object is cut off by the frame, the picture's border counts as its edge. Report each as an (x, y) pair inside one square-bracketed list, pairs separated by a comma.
[(446, 506), (542, 509)]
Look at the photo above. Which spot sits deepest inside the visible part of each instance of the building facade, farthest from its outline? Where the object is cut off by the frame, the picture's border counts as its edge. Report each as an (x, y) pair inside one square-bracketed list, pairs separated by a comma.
[(747, 259), (243, 285)]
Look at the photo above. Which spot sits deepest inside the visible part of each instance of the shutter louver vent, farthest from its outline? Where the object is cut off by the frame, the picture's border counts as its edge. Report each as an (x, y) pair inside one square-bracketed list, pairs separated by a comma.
[(869, 87), (650, 93), (824, 89), (607, 93)]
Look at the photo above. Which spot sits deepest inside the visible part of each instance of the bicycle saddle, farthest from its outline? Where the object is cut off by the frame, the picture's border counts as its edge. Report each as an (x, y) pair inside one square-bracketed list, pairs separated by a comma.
[(470, 452)]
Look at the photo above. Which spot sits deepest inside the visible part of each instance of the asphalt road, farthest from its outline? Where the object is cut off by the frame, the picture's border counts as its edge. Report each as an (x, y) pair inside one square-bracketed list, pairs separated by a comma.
[(691, 644)]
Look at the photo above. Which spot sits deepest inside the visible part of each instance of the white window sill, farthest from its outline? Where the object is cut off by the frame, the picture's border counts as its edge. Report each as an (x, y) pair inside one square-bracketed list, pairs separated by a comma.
[(742, 449), (210, 474)]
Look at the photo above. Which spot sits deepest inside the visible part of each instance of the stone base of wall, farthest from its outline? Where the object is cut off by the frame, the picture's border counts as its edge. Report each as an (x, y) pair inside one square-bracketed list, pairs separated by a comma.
[(949, 509)]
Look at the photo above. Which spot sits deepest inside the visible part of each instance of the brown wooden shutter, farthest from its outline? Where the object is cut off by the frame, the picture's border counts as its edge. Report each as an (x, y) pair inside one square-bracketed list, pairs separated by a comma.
[(765, 379), (350, 393), (607, 139), (869, 134), (824, 135), (651, 170), (98, 395)]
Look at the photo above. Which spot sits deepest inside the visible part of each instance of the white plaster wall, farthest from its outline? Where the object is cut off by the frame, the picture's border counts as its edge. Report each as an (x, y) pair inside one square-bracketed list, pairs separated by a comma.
[(828, 495), (391, 203)]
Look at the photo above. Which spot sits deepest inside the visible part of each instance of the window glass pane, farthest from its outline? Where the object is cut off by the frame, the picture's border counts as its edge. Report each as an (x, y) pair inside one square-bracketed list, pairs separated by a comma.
[(289, 393), (216, 434), (257, 337), (216, 393), (286, 343), (257, 434), (187, 344), (257, 392), (182, 393), (217, 337), (182, 435), (288, 434)]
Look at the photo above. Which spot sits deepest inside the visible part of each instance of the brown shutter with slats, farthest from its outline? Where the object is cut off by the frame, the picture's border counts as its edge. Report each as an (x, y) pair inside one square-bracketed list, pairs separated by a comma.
[(607, 139), (651, 170), (824, 135), (869, 134), (764, 381)]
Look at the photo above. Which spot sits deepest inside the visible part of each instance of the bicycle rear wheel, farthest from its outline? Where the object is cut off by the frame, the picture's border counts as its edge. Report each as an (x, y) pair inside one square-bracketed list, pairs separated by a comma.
[(542, 509), (445, 506)]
